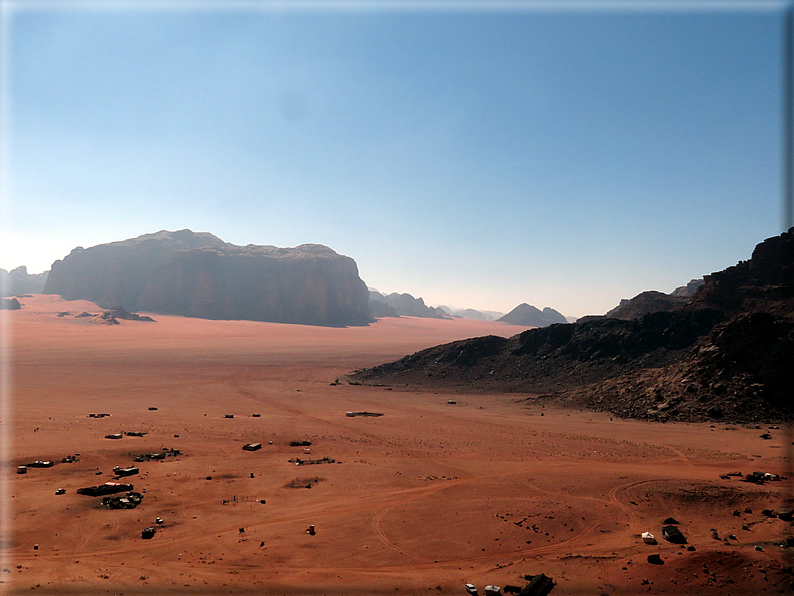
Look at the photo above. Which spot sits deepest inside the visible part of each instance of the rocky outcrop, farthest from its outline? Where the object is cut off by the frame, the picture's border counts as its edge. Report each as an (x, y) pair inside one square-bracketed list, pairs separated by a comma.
[(18, 281), (653, 301), (724, 355), (529, 316), (199, 275), (739, 372), (402, 304), (688, 290), (646, 303), (9, 304)]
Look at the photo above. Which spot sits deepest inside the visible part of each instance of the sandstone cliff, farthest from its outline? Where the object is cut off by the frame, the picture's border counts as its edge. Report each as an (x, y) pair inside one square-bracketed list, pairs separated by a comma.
[(199, 275), (646, 303), (18, 281)]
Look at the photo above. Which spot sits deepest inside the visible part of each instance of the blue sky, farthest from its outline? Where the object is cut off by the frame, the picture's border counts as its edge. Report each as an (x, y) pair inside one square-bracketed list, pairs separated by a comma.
[(477, 155)]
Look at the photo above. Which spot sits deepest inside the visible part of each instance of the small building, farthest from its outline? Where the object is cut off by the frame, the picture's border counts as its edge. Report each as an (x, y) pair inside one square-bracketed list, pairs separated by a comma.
[(41, 464), (492, 590), (125, 471), (252, 447), (539, 585), (22, 469), (108, 488), (673, 534)]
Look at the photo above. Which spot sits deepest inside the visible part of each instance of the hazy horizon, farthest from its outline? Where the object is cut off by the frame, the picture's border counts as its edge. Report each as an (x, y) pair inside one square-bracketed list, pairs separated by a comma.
[(452, 305), (564, 154)]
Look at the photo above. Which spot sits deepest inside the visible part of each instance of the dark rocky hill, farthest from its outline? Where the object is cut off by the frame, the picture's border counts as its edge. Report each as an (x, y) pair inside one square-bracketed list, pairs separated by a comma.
[(726, 354), (688, 290), (199, 275), (530, 316), (646, 303)]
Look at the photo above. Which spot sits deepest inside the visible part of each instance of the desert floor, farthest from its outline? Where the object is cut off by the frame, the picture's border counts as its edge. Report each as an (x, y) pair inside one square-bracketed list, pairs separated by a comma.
[(422, 500)]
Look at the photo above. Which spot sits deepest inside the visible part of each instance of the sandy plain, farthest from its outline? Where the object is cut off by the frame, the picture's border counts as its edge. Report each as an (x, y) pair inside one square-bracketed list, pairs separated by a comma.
[(419, 501)]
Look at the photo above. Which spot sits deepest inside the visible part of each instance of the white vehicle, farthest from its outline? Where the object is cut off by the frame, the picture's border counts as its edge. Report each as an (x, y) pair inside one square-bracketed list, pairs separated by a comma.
[(470, 589), (648, 538)]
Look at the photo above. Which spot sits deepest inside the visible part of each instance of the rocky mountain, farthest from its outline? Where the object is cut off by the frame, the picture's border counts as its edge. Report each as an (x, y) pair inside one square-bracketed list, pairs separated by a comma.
[(653, 301), (646, 303), (530, 316), (402, 304), (726, 354), (688, 290), (18, 281), (199, 275)]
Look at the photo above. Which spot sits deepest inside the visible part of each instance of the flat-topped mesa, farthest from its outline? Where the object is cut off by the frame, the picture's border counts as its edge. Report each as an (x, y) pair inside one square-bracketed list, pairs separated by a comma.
[(200, 275)]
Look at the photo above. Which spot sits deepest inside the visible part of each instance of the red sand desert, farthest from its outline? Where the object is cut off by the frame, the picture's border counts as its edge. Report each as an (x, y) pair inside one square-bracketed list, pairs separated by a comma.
[(421, 500)]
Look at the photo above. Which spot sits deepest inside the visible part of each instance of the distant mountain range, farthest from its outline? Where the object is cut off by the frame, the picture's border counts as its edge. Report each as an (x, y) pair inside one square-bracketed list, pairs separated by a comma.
[(382, 305), (198, 274), (470, 313), (395, 305), (725, 354)]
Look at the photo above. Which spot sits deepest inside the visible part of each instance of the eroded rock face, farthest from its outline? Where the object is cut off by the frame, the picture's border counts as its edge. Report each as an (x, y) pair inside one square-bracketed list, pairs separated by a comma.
[(199, 275), (646, 303), (18, 281)]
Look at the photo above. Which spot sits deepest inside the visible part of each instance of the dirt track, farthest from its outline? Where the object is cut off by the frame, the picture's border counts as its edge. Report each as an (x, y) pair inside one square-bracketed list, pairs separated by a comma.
[(420, 501)]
